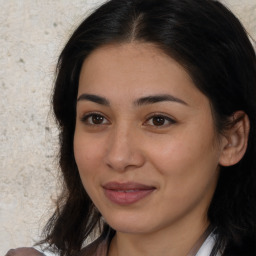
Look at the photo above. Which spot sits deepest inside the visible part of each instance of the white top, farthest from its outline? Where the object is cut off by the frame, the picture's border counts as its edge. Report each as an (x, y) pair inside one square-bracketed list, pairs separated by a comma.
[(207, 246), (205, 249)]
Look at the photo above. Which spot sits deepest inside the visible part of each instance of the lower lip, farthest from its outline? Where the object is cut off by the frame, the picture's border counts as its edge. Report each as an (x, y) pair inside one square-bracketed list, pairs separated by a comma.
[(126, 197)]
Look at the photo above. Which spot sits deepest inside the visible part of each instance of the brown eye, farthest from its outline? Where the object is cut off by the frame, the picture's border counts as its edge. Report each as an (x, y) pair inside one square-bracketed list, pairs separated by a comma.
[(94, 119), (97, 119), (160, 121)]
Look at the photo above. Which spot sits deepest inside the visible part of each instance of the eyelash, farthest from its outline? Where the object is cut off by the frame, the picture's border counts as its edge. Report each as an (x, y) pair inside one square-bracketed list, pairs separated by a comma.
[(161, 117), (86, 117)]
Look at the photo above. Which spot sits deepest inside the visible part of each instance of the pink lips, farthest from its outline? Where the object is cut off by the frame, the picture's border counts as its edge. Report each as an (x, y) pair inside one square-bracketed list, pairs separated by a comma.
[(126, 193)]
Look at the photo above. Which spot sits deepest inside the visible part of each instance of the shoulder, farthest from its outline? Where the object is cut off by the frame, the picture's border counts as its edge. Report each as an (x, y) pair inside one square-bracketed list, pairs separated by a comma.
[(96, 248), (24, 251)]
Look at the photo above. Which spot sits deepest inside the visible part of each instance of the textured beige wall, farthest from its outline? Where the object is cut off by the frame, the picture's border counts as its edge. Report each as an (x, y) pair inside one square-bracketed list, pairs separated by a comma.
[(31, 36)]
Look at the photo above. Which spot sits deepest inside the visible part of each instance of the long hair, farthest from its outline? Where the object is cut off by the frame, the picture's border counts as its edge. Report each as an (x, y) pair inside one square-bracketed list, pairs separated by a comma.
[(213, 47)]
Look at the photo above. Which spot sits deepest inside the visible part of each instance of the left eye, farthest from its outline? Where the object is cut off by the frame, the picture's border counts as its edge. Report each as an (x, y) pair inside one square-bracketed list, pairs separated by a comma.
[(94, 119), (159, 121)]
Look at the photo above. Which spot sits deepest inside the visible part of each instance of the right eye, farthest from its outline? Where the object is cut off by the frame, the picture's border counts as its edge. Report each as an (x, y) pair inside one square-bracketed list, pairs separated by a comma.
[(94, 119)]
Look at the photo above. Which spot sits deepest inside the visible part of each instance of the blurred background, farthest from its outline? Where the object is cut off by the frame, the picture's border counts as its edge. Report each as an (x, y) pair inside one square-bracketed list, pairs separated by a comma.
[(32, 34)]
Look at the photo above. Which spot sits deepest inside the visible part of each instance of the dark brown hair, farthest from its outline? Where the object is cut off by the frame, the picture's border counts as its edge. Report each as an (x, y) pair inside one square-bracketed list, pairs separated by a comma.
[(211, 44)]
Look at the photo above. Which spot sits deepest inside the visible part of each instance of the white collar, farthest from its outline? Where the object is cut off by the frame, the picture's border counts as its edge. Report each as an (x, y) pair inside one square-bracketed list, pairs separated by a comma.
[(207, 246)]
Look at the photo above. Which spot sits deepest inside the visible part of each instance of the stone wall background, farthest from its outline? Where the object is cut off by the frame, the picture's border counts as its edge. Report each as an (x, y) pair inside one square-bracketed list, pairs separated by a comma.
[(32, 35)]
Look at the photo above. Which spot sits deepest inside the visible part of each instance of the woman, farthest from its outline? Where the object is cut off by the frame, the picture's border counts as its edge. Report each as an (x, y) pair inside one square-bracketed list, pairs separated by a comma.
[(156, 107)]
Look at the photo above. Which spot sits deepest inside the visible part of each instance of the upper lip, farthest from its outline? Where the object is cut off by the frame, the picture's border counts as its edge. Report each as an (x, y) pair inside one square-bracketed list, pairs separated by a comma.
[(127, 186)]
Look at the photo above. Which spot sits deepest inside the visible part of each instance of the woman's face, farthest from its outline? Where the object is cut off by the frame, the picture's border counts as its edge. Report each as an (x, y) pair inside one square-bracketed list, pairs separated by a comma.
[(145, 143)]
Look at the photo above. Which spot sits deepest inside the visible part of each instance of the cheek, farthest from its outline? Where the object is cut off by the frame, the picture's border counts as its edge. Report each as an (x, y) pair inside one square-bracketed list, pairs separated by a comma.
[(189, 174), (187, 160), (173, 153), (88, 155)]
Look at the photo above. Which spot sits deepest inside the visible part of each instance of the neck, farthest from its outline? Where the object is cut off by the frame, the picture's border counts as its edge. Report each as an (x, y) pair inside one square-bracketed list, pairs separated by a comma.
[(176, 241)]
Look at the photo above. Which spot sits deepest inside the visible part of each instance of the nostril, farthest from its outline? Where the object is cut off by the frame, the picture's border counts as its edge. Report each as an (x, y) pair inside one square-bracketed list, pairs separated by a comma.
[(124, 151), (124, 161)]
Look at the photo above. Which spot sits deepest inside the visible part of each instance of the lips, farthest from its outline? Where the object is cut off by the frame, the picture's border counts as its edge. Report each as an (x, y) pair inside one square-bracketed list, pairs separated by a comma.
[(126, 193)]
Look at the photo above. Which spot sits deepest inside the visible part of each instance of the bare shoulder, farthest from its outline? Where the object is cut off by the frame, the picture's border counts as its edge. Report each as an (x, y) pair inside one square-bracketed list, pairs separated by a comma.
[(24, 251)]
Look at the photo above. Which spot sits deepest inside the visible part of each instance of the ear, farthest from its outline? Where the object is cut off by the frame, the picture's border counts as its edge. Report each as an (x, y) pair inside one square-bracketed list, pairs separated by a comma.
[(234, 143)]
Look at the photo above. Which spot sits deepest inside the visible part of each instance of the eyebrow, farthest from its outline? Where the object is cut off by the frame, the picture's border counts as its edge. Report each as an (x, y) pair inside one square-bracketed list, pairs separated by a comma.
[(139, 102), (94, 98), (158, 98)]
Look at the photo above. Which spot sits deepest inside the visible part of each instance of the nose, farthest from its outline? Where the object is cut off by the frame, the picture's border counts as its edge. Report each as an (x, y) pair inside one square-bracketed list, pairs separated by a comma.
[(124, 150)]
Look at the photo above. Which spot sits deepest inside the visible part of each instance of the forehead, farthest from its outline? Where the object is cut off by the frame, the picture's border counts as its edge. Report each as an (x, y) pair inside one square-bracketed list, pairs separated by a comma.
[(137, 59), (136, 69)]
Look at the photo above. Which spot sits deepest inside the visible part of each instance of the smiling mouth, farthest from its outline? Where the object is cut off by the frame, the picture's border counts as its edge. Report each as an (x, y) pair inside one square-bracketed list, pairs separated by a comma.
[(126, 193)]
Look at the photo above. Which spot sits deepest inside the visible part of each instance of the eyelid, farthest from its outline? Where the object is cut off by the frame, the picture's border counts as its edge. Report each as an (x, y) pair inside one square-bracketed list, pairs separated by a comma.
[(85, 116), (170, 119)]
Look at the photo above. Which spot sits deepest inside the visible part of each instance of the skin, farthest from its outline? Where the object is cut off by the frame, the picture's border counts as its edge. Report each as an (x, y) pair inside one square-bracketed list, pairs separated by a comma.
[(25, 251), (179, 156)]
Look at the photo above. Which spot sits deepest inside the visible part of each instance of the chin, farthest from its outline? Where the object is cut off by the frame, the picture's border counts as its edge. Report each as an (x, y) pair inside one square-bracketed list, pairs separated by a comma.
[(129, 229), (129, 224)]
